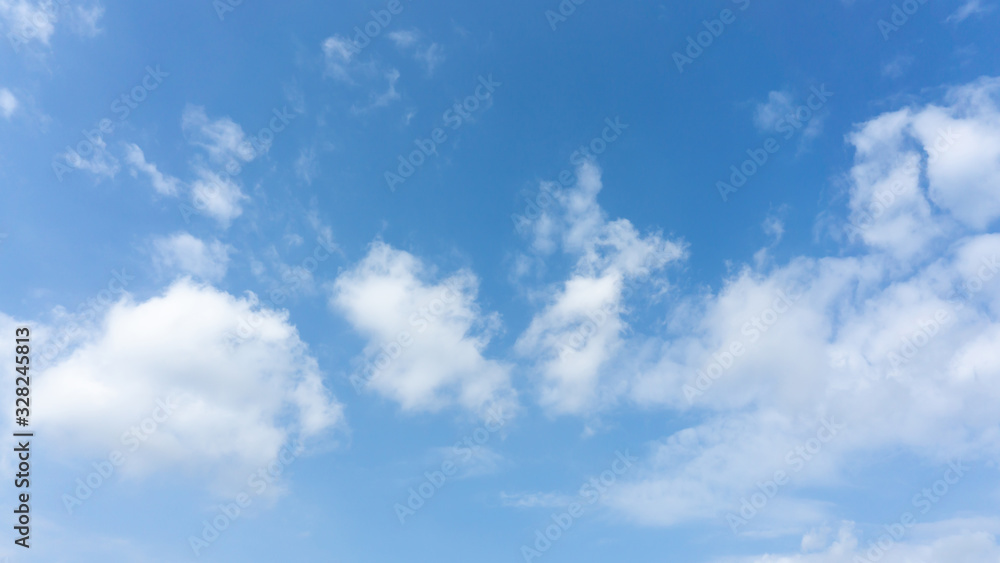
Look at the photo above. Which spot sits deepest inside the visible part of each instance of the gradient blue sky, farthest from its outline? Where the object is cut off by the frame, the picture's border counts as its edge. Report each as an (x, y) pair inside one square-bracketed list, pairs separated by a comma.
[(583, 312)]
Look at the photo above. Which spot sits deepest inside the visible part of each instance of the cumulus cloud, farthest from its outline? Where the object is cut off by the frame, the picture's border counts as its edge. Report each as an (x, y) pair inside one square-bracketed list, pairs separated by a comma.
[(918, 171), (911, 320), (579, 331), (426, 340), (184, 253), (240, 382)]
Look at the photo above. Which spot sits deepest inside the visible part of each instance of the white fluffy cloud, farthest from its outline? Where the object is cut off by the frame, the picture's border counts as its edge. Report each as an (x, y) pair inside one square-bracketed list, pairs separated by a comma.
[(425, 340), (184, 253), (244, 386), (922, 173), (580, 329), (912, 322)]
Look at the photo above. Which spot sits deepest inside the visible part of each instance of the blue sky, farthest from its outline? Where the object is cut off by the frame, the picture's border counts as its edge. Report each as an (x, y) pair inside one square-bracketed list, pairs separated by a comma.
[(504, 281)]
